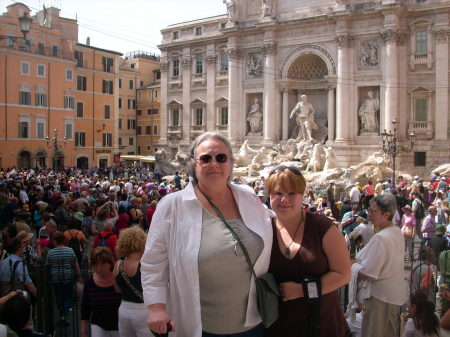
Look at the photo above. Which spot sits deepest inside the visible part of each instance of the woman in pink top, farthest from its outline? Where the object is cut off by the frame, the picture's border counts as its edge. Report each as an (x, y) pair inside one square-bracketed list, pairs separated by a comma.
[(369, 192), (408, 224)]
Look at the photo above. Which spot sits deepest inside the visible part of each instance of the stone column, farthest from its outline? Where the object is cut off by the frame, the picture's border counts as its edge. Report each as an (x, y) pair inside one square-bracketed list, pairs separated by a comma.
[(390, 75), (285, 116), (441, 121), (269, 92), (234, 54), (330, 113), (186, 62), (210, 112), (344, 42), (164, 118)]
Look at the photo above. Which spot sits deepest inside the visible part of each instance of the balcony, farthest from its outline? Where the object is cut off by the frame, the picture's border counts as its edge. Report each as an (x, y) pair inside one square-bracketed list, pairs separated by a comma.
[(423, 129), (421, 58), (197, 130), (174, 131)]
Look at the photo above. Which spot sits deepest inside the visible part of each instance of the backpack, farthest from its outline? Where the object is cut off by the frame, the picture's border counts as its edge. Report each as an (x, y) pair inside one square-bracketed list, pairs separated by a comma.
[(420, 212), (74, 243), (103, 241)]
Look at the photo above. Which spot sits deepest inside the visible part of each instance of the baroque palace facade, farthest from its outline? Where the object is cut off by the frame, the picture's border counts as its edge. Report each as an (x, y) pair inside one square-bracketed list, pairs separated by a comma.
[(64, 103), (387, 58)]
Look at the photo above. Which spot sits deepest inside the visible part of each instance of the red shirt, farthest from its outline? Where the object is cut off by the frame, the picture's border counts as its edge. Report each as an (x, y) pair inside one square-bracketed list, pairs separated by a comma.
[(150, 213), (110, 242)]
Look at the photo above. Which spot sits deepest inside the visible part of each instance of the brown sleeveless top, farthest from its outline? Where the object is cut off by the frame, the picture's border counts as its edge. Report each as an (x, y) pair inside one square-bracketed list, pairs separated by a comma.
[(293, 320)]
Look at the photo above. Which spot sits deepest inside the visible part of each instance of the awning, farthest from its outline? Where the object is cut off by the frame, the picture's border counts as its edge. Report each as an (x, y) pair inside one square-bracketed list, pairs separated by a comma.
[(130, 157), (148, 159)]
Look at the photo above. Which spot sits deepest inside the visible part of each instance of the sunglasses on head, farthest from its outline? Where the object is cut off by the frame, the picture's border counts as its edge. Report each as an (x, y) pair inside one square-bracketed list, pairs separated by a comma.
[(204, 159), (282, 168)]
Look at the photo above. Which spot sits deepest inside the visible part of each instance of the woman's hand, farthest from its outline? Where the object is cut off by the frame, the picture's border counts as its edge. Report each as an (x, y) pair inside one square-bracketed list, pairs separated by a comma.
[(290, 291), (157, 318)]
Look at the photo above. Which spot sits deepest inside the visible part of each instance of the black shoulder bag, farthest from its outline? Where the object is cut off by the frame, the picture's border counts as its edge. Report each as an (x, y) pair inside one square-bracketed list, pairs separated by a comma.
[(266, 287)]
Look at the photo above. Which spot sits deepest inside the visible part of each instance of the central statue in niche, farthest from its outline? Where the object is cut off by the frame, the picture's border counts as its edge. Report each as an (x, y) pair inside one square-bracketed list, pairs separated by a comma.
[(368, 113), (304, 117), (255, 117)]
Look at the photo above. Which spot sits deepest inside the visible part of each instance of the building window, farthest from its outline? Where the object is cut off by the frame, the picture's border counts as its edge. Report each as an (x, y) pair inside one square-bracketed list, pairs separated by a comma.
[(175, 35), (120, 123), (81, 83), (141, 84), (138, 150), (131, 124), (156, 93), (176, 68), (68, 129), (80, 109), (107, 64), (155, 130), (40, 70), (40, 99), (223, 62), (107, 112), (133, 65), (54, 51), (198, 31), (139, 112), (24, 68), (130, 141), (120, 103), (224, 116), (120, 83), (198, 117), (107, 87), (79, 56), (421, 41), (69, 75), (131, 104), (131, 84), (199, 64), (24, 130), (420, 158), (120, 141), (175, 117), (41, 48), (40, 129), (80, 139), (148, 130), (107, 139), (421, 110), (158, 74), (69, 102), (24, 98), (138, 131)]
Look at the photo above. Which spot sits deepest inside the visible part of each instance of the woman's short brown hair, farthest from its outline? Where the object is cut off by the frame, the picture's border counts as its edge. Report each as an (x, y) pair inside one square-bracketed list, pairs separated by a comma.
[(131, 240), (102, 255), (289, 177)]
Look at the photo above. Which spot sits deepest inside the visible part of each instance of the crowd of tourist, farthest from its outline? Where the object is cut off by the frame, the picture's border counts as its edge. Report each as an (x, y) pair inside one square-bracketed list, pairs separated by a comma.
[(313, 239)]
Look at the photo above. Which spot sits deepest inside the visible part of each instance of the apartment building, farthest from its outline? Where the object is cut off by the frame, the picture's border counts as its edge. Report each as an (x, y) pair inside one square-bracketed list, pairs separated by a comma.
[(139, 97), (37, 89), (97, 97)]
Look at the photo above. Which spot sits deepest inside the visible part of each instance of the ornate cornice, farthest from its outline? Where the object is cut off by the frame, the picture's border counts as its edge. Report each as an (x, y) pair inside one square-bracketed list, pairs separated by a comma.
[(441, 35), (234, 53), (344, 40), (393, 35), (268, 48), (211, 59), (186, 61)]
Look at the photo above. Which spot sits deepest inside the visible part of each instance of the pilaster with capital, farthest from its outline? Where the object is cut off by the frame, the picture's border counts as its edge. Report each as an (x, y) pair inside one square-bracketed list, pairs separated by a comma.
[(269, 91), (330, 112), (234, 54), (164, 114), (285, 115), (390, 72), (344, 42), (442, 68), (186, 61)]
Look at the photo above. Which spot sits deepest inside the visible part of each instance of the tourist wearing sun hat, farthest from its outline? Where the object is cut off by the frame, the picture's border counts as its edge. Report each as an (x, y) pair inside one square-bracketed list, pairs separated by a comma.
[(32, 252)]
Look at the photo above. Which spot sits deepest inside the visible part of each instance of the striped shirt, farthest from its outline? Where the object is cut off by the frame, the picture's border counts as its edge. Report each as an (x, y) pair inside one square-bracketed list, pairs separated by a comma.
[(62, 261)]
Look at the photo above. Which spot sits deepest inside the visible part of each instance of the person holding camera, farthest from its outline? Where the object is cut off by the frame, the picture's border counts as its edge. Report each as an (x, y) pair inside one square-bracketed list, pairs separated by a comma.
[(349, 222), (14, 272)]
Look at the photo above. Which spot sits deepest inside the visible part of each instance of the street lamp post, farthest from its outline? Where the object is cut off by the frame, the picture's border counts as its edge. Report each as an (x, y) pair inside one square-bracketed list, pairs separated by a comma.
[(25, 22), (52, 144), (390, 145)]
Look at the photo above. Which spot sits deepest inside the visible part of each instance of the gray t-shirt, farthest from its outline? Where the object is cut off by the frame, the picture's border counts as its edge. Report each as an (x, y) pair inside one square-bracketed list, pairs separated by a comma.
[(224, 274)]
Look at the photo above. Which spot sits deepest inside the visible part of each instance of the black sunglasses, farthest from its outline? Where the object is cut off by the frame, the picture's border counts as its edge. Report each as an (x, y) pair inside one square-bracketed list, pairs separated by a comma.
[(282, 168), (204, 159)]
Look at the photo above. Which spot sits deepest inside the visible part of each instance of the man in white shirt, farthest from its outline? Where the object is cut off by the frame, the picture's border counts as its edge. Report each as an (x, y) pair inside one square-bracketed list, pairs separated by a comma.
[(128, 187), (23, 196), (355, 195)]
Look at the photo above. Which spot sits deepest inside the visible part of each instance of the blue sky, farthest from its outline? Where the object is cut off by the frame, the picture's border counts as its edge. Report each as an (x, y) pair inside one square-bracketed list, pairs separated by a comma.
[(126, 25)]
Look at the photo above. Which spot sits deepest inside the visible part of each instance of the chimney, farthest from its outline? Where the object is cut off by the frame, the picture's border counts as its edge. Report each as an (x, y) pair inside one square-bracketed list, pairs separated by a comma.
[(88, 41)]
